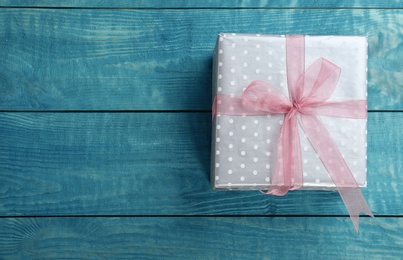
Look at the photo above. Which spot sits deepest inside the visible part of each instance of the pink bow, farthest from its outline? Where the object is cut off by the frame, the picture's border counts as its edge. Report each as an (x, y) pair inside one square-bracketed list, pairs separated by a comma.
[(308, 97)]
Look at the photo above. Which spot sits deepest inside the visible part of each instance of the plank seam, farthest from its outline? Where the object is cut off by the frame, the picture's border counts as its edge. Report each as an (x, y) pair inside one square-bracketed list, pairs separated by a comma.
[(201, 8), (195, 216)]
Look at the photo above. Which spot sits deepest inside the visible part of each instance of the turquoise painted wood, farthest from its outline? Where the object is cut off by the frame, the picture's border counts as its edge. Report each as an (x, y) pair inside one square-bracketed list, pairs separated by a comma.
[(58, 59), (157, 163), (201, 238), (105, 134), (204, 4)]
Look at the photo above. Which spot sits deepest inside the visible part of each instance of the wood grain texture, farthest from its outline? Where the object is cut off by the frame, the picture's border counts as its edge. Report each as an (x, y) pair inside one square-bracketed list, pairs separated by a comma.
[(136, 184), (157, 163), (86, 59), (200, 238), (204, 4)]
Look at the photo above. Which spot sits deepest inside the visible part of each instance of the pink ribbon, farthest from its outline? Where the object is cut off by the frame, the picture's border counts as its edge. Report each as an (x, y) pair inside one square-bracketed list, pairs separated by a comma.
[(308, 98)]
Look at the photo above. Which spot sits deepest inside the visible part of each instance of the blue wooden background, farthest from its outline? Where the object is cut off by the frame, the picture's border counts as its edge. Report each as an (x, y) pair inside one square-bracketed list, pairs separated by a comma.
[(105, 134)]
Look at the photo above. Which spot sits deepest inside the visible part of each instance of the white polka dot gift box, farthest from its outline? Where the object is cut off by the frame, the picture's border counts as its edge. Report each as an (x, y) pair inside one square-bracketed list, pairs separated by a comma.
[(289, 112)]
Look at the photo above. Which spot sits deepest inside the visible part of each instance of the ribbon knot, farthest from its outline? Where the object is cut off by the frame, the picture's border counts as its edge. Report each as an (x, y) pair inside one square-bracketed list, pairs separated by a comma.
[(297, 106), (308, 96), (295, 109)]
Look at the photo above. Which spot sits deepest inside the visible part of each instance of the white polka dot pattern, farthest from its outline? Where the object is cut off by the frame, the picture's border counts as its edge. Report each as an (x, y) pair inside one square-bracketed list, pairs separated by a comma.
[(245, 146)]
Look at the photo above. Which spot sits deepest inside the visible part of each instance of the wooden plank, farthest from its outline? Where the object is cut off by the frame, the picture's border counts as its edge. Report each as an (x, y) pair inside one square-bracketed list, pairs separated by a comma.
[(204, 4), (157, 163), (201, 238), (58, 59)]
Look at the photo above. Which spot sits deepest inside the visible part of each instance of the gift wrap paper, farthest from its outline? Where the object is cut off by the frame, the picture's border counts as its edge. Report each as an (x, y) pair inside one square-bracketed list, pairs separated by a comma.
[(244, 147)]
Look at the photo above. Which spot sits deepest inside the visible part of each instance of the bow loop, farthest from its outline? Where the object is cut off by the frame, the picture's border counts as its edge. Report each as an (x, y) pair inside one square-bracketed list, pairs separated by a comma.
[(265, 97), (320, 80)]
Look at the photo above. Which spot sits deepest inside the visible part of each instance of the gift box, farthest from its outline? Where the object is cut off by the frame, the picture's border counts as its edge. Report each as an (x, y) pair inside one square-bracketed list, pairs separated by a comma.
[(245, 146)]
